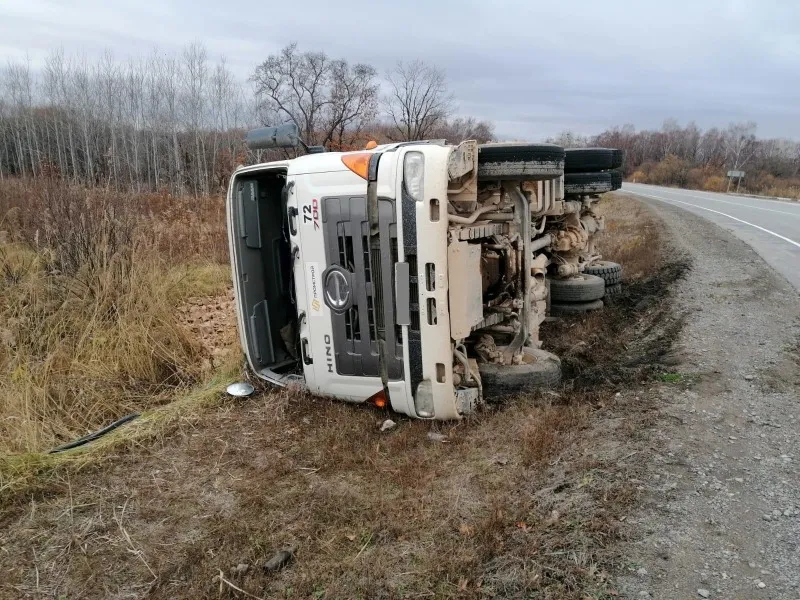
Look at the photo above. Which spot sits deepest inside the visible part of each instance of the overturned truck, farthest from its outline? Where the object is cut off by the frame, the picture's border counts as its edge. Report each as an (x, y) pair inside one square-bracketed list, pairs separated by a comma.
[(414, 275)]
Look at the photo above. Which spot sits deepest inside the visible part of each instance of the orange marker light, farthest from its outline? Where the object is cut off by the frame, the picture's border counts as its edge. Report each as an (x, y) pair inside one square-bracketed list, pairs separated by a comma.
[(378, 399), (358, 163), (371, 145)]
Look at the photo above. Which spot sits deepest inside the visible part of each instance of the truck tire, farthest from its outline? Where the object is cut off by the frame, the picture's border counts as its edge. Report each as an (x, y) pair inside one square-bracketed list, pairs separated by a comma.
[(582, 160), (540, 369), (520, 161), (613, 290), (611, 272), (572, 308), (617, 158), (588, 183), (616, 180), (581, 288)]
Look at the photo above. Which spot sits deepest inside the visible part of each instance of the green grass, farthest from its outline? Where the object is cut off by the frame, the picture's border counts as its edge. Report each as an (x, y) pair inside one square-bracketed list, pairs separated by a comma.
[(671, 377), (30, 470)]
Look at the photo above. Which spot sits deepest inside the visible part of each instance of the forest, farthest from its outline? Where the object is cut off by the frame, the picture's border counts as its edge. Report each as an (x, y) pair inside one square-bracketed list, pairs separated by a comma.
[(175, 123)]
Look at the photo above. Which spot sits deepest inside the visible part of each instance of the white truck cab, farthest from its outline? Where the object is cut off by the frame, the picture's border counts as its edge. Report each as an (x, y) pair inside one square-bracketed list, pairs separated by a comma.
[(411, 275)]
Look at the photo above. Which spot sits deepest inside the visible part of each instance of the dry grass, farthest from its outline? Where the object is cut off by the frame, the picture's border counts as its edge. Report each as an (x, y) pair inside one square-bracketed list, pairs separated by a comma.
[(491, 512), (673, 171), (526, 500), (89, 330), (29, 471), (631, 238), (639, 345)]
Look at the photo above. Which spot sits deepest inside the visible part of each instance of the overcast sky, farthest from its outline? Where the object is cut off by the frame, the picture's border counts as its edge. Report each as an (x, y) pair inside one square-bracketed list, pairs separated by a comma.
[(534, 68)]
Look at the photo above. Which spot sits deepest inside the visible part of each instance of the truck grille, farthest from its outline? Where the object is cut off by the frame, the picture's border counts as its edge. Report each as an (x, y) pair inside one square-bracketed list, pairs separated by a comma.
[(347, 244), (414, 291)]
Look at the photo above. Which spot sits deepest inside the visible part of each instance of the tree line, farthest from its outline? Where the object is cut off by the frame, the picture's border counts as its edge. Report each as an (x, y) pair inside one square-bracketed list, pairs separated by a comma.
[(176, 122)]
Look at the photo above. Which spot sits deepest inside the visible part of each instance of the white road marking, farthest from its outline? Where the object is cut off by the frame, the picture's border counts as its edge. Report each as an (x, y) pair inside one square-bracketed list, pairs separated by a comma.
[(777, 235), (783, 212), (783, 203)]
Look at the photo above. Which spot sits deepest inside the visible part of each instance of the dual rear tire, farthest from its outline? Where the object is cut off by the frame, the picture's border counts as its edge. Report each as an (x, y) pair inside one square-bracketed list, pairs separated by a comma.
[(582, 160), (514, 161), (592, 171), (610, 272), (579, 294)]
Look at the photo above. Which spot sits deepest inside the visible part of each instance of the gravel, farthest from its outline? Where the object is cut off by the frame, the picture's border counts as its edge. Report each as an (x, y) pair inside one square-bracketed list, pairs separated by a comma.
[(725, 501)]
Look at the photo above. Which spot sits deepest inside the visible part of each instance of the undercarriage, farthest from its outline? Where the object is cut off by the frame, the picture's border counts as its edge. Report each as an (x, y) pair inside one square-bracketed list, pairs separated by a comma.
[(510, 239)]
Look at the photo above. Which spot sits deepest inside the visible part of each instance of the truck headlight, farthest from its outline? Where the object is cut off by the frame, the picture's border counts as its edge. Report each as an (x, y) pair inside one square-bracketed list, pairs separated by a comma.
[(413, 174), (423, 400)]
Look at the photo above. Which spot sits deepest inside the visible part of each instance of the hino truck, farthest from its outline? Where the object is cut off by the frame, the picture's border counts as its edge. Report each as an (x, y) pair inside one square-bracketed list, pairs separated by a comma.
[(411, 275)]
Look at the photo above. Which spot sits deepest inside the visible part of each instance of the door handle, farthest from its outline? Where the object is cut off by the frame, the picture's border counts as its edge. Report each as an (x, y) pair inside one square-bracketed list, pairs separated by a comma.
[(292, 222), (304, 351)]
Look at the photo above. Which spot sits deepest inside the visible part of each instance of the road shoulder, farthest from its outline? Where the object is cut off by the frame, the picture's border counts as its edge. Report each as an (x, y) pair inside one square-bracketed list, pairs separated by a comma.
[(722, 502)]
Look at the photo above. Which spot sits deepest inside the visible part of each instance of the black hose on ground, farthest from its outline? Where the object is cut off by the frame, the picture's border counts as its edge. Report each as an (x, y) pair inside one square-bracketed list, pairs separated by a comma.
[(93, 436)]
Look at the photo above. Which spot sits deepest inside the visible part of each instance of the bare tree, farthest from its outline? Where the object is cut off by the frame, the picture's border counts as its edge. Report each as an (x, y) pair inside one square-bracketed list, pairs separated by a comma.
[(195, 76), (740, 143), (353, 103), (466, 128), (569, 139), (20, 86), (294, 85), (169, 78), (711, 148), (329, 100), (418, 100), (83, 86), (669, 136), (109, 84)]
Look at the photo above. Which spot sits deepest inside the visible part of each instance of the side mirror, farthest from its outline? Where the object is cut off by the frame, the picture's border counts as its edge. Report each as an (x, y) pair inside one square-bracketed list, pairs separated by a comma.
[(283, 136)]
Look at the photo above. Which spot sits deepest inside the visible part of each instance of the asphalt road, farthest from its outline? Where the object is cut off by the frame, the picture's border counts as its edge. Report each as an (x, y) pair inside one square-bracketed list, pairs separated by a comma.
[(770, 227)]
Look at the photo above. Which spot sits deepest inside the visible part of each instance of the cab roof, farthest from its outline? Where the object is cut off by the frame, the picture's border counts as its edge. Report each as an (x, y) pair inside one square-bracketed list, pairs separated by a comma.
[(325, 162)]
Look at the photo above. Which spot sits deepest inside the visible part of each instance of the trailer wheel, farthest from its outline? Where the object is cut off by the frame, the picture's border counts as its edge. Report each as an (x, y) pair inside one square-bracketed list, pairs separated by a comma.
[(589, 183), (572, 308), (581, 160), (516, 161), (581, 288), (540, 369), (611, 272)]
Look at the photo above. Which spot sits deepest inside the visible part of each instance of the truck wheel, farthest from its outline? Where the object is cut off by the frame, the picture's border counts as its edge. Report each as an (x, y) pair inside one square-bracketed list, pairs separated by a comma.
[(611, 272), (613, 290), (520, 161), (588, 183), (539, 369), (581, 288), (572, 308), (616, 180), (617, 158), (581, 160)]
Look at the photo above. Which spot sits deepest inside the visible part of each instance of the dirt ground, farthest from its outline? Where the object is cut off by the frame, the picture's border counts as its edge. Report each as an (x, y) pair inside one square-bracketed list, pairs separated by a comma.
[(528, 499), (212, 321), (720, 510)]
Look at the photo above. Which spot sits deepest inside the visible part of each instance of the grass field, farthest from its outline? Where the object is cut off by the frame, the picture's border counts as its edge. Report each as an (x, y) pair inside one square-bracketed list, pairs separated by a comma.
[(89, 283)]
